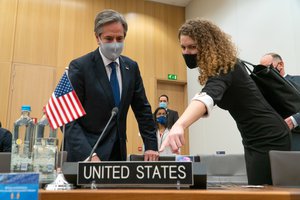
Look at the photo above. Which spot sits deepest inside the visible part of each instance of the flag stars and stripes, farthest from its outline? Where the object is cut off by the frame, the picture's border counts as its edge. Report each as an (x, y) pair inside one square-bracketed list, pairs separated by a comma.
[(63, 87), (64, 105)]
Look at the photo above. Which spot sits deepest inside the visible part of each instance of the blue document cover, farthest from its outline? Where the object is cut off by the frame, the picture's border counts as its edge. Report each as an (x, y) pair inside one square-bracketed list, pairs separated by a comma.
[(19, 186)]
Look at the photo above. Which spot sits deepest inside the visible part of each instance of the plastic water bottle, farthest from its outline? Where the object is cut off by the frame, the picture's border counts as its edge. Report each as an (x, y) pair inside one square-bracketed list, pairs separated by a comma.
[(43, 129), (22, 142), (45, 151)]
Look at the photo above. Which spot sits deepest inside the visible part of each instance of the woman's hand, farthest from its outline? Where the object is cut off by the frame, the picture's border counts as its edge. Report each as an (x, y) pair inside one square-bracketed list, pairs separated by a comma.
[(175, 139)]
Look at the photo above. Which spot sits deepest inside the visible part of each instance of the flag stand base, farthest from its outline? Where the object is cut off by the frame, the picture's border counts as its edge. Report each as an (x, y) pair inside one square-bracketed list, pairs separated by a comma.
[(60, 183)]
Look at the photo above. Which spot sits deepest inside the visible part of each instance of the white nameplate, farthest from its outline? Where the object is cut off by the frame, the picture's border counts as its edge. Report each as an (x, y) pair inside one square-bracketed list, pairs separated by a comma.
[(159, 173)]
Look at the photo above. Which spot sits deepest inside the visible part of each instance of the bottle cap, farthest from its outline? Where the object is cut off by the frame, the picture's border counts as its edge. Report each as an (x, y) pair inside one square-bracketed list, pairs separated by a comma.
[(26, 108)]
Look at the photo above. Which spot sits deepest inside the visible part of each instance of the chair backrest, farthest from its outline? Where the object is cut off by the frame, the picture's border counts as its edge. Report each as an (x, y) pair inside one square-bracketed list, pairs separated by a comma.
[(138, 157), (225, 169), (5, 158), (285, 168)]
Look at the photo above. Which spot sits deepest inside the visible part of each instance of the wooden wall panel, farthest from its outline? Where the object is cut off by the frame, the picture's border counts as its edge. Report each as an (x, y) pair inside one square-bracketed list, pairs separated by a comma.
[(4, 91), (76, 29), (167, 56), (32, 85), (36, 39), (175, 63), (8, 11)]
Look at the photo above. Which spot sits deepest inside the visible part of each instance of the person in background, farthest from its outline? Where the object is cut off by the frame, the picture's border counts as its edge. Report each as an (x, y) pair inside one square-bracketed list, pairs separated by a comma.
[(160, 118), (172, 115), (227, 84), (278, 63), (103, 80), (5, 139), (294, 120)]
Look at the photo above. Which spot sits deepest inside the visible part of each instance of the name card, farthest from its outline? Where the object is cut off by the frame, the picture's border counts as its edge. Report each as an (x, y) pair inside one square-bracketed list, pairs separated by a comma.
[(139, 174), (19, 186)]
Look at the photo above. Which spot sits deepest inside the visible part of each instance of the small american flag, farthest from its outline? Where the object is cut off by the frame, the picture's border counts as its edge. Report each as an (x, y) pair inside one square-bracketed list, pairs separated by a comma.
[(64, 105)]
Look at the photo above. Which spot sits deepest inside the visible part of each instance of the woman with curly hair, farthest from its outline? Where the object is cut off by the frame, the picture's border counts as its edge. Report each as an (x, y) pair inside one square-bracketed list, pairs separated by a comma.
[(227, 84)]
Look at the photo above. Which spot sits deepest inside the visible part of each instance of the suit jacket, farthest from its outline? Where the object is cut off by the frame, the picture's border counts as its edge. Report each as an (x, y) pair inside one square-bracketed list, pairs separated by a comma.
[(295, 145), (5, 140), (172, 117), (90, 81), (295, 80)]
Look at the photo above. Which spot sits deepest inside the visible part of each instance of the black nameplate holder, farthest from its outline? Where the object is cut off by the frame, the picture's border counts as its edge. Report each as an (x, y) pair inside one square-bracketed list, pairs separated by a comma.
[(135, 174)]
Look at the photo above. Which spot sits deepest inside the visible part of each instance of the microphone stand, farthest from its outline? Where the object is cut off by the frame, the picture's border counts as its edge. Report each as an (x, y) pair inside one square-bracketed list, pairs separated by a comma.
[(60, 183)]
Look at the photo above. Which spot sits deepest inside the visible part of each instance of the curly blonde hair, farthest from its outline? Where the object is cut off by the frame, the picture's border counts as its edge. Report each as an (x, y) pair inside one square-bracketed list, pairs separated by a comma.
[(216, 53)]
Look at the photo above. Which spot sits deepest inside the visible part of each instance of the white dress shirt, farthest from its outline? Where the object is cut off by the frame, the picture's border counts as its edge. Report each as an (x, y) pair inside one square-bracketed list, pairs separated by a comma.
[(108, 69)]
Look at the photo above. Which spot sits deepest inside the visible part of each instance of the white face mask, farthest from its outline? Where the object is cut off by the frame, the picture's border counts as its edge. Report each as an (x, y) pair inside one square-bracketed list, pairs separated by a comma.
[(111, 50)]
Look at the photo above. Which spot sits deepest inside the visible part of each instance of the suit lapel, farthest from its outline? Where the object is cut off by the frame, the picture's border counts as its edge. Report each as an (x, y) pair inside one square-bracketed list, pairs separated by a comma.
[(168, 114), (102, 78), (125, 71)]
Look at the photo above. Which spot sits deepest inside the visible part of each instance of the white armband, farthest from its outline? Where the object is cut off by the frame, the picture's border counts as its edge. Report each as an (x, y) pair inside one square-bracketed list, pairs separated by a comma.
[(207, 100), (294, 122)]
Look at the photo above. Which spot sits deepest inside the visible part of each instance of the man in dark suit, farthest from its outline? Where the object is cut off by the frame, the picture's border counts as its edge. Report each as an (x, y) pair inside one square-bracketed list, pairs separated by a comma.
[(103, 80), (293, 121), (172, 115), (5, 140)]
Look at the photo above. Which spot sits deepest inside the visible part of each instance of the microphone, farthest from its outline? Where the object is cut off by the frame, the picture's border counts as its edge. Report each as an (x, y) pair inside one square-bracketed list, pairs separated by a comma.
[(114, 112)]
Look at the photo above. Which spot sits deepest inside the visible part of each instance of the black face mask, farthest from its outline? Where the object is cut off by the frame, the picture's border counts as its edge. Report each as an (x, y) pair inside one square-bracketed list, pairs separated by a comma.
[(276, 68), (190, 60)]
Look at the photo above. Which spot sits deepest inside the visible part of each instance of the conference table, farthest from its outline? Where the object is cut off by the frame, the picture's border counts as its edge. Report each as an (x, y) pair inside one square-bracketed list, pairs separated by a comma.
[(222, 193)]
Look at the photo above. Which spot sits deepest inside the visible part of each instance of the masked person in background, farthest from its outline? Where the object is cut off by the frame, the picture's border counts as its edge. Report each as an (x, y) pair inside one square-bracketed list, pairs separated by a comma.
[(103, 80), (294, 120), (160, 118), (227, 84), (172, 115)]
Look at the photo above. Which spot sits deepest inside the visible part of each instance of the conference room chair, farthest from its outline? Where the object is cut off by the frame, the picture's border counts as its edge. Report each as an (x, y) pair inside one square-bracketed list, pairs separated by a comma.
[(285, 168)]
